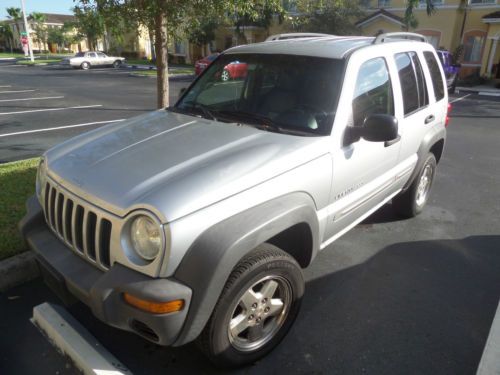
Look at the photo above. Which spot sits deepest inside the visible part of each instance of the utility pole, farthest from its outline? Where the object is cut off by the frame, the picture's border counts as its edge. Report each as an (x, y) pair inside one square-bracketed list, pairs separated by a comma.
[(26, 27)]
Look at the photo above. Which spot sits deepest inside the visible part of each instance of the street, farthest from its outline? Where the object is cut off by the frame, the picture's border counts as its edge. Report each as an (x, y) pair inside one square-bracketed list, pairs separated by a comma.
[(391, 296)]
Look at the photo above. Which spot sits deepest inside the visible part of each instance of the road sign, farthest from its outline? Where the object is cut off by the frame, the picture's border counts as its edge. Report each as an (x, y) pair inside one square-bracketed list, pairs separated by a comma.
[(24, 40), (24, 34)]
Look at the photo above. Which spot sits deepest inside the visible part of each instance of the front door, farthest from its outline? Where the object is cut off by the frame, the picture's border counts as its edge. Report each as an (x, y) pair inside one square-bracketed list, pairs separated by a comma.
[(363, 172)]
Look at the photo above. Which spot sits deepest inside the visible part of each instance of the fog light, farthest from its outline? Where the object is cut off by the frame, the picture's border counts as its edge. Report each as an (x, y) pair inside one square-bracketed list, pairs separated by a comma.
[(154, 307)]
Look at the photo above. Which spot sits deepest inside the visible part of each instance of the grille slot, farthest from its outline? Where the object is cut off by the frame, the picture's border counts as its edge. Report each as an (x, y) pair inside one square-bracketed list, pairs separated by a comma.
[(82, 228)]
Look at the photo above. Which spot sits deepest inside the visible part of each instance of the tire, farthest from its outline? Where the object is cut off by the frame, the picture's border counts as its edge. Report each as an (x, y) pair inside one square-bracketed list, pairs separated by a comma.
[(225, 76), (85, 65), (411, 202), (261, 298), (117, 64)]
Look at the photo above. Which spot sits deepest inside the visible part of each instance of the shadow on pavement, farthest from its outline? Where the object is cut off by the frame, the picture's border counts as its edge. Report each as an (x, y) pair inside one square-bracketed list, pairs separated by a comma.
[(415, 307)]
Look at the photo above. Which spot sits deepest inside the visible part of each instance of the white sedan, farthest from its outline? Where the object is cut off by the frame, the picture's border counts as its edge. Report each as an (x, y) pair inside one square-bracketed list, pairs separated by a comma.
[(86, 60)]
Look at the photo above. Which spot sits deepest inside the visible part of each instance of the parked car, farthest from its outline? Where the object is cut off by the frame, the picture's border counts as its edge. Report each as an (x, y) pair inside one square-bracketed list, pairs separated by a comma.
[(234, 70), (200, 65), (194, 222), (86, 60), (451, 69)]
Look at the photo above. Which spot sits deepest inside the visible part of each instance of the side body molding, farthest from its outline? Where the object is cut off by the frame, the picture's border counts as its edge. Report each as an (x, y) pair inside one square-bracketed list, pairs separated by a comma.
[(210, 260)]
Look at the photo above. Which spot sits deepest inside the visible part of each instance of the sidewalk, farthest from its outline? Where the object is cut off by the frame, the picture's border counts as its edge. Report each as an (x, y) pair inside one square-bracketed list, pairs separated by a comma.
[(486, 89)]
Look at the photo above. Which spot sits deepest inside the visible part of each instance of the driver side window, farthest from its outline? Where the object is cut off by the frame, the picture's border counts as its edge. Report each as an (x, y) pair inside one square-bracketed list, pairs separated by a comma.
[(373, 91)]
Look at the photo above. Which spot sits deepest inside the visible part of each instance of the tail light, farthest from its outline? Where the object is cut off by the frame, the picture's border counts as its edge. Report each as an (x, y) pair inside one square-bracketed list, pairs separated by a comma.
[(447, 121)]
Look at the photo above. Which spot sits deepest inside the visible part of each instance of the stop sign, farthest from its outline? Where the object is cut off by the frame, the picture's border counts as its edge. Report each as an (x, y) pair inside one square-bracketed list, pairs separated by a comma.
[(24, 40)]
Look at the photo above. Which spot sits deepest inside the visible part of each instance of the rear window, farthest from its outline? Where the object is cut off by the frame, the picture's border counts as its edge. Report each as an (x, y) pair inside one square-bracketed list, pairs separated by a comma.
[(79, 54), (437, 79)]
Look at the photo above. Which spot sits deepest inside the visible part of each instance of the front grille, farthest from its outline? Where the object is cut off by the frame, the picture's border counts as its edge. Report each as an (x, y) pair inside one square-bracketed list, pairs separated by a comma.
[(81, 227)]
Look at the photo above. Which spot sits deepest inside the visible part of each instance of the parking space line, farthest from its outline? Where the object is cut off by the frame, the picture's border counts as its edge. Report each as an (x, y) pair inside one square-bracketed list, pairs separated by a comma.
[(6, 86), (50, 109), (24, 99), (12, 92), (461, 98), (60, 127)]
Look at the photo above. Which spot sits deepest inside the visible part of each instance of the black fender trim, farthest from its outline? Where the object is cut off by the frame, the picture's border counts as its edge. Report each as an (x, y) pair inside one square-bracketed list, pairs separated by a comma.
[(210, 260), (429, 140)]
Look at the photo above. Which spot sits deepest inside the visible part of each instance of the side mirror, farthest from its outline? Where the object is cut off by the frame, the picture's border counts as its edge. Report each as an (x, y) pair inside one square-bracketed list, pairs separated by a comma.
[(376, 128), (380, 128)]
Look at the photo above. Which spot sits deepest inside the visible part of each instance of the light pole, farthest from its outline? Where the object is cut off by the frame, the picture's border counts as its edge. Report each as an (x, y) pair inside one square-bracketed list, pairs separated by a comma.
[(27, 32)]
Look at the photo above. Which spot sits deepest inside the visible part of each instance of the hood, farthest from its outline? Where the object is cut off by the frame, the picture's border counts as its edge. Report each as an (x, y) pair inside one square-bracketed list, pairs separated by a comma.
[(173, 164)]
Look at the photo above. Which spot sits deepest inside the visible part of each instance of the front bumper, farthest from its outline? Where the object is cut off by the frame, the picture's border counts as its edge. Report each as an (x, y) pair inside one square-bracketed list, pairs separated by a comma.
[(71, 276)]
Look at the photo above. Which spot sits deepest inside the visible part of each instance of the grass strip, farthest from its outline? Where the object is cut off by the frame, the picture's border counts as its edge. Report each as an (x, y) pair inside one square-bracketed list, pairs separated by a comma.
[(17, 183)]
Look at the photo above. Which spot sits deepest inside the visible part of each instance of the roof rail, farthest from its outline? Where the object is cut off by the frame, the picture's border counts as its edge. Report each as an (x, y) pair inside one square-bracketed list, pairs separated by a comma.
[(401, 35), (295, 36)]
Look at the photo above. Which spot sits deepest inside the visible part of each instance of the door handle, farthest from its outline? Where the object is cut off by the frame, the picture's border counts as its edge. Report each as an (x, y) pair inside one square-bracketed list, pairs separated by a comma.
[(429, 118)]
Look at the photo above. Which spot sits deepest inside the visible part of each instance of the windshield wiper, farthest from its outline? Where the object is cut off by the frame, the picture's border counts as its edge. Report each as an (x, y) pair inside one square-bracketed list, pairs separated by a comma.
[(197, 107), (260, 121)]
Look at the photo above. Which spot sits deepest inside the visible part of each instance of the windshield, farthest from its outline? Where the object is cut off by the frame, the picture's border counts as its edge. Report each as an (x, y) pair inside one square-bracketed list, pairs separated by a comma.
[(285, 93)]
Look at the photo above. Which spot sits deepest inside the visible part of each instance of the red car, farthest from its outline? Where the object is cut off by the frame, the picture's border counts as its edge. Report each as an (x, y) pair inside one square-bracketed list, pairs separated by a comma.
[(201, 65), (233, 70)]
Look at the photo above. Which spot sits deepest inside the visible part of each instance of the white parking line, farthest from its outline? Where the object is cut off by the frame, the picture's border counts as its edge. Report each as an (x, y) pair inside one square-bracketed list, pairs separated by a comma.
[(11, 92), (50, 109), (6, 86), (461, 98), (61, 127), (42, 98)]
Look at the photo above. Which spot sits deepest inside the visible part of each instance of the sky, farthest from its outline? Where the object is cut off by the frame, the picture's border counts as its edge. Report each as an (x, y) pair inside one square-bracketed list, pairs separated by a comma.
[(44, 6)]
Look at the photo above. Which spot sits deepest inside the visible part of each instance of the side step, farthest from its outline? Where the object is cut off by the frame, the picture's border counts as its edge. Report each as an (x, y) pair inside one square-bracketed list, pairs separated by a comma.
[(73, 340)]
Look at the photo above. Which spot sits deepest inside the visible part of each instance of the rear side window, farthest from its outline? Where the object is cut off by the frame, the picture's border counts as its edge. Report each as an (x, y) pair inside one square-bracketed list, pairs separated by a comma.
[(412, 82), (437, 79), (373, 92)]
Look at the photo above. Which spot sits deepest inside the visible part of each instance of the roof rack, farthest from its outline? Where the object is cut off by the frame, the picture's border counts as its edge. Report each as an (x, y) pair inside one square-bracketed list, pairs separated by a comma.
[(401, 35), (296, 35)]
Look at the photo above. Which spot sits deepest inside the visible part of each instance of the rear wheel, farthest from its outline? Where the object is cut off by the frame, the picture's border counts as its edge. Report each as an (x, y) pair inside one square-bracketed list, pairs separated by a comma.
[(85, 65), (453, 87), (411, 202), (256, 309)]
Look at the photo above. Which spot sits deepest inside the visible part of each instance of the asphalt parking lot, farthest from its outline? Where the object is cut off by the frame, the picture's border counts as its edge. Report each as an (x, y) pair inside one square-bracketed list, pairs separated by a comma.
[(392, 296), (43, 105)]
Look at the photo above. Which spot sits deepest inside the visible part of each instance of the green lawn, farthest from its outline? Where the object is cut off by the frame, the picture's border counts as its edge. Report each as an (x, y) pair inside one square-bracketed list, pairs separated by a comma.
[(38, 61), (7, 54), (17, 183), (138, 62)]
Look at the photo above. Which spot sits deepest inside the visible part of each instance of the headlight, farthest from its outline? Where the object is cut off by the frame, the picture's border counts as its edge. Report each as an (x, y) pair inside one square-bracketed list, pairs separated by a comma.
[(41, 176), (146, 237)]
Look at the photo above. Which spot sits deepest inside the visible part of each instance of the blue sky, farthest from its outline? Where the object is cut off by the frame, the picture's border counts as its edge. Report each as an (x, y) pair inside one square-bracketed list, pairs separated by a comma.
[(44, 6)]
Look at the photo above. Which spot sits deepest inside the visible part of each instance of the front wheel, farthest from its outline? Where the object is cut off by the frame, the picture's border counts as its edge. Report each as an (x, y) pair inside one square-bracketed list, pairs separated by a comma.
[(225, 76), (117, 64), (257, 307), (85, 65), (411, 202)]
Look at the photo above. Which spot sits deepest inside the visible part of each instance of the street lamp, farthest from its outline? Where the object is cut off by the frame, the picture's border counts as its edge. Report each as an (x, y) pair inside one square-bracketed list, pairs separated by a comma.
[(27, 32)]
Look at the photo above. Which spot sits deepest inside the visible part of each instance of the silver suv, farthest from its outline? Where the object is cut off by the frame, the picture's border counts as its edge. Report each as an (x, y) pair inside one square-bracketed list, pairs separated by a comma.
[(195, 221)]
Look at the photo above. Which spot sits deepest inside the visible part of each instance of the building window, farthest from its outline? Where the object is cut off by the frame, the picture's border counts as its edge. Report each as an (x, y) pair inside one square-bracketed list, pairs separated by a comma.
[(384, 3), (433, 36), (423, 3), (473, 46)]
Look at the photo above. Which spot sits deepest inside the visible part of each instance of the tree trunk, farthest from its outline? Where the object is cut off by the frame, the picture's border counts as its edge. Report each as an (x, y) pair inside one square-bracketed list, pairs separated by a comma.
[(161, 60)]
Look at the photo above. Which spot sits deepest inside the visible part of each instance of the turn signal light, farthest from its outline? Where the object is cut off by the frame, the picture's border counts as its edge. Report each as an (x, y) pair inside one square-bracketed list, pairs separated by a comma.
[(154, 307)]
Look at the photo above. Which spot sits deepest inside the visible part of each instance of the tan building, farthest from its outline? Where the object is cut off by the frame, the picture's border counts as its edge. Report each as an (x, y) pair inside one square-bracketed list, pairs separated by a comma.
[(475, 24), (51, 21)]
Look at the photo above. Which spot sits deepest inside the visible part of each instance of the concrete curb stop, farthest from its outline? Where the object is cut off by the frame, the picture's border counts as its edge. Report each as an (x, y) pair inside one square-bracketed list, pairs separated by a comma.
[(17, 270), (73, 340)]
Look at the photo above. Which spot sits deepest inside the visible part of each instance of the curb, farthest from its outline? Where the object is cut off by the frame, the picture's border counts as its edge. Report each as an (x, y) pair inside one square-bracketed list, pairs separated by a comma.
[(170, 76), (72, 339), (478, 92), (17, 270)]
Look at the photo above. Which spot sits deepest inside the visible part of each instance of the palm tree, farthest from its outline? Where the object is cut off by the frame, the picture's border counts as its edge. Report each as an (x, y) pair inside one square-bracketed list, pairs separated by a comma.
[(6, 34), (40, 31), (16, 15)]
